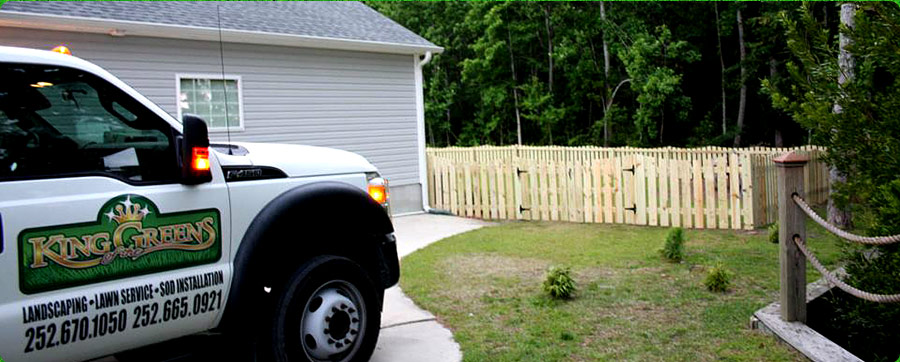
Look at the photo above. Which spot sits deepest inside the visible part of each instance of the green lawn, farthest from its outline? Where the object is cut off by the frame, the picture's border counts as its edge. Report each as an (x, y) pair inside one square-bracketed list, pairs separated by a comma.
[(630, 304)]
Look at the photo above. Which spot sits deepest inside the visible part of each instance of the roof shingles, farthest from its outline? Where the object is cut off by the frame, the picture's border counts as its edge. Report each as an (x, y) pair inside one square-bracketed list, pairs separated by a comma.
[(341, 20)]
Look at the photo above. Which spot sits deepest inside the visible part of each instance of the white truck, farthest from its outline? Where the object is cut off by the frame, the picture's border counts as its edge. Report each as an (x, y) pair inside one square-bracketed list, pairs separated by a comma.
[(122, 227)]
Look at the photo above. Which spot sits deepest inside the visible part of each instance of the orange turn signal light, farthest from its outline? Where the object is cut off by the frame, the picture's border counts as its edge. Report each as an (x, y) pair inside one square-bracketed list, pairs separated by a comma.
[(378, 189), (200, 158), (62, 49), (378, 193)]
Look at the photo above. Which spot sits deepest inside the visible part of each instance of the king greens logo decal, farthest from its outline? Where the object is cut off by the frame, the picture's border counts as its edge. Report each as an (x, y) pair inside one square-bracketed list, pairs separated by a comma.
[(130, 237)]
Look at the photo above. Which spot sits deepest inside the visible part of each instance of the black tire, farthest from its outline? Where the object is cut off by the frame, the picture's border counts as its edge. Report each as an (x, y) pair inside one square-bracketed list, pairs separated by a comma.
[(330, 294)]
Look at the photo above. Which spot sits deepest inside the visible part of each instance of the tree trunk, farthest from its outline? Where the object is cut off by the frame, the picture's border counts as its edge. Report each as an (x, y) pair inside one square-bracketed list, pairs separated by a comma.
[(549, 46), (722, 64), (742, 105), (773, 71), (605, 76), (512, 67), (836, 215)]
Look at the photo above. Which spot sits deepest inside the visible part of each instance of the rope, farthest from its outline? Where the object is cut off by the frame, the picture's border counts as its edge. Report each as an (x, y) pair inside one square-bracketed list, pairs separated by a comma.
[(868, 240), (877, 298)]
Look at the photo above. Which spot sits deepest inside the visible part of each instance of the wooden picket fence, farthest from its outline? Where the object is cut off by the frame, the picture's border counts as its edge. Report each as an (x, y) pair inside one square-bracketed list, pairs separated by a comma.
[(711, 187)]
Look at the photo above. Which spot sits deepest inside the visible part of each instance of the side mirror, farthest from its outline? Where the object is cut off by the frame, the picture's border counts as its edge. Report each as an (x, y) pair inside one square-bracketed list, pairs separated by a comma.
[(194, 151)]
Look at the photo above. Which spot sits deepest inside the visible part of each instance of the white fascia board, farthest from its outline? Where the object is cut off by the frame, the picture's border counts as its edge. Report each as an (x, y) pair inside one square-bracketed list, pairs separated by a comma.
[(134, 28)]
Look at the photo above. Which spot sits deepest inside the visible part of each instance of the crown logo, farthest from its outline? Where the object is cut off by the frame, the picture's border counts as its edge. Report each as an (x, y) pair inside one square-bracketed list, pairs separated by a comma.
[(127, 211)]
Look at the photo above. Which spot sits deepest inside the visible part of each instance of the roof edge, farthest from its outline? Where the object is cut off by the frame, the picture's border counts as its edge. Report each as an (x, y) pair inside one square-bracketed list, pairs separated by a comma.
[(18, 19)]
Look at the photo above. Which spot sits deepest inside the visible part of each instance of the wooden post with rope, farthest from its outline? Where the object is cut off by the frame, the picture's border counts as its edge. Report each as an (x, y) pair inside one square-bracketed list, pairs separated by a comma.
[(791, 223)]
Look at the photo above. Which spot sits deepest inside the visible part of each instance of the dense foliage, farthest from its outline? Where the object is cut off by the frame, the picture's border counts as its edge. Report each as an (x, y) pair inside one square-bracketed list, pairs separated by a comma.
[(673, 249), (718, 278), (860, 124), (602, 73), (558, 283)]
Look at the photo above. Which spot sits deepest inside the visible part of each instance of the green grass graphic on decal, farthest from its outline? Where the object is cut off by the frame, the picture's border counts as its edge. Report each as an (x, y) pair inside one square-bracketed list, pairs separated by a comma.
[(130, 237)]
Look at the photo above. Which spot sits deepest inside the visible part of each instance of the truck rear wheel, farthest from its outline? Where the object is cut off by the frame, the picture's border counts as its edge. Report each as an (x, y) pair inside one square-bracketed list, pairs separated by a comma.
[(328, 310)]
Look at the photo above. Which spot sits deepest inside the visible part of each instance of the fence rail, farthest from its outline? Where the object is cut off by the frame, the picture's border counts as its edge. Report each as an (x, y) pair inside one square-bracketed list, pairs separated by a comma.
[(712, 187)]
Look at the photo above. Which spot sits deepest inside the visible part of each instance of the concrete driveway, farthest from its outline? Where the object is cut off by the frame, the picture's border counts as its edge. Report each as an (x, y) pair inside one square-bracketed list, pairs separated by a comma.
[(409, 333)]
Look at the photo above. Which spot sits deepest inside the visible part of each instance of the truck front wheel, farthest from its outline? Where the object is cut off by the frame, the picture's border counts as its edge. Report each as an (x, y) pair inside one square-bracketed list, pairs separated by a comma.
[(326, 311)]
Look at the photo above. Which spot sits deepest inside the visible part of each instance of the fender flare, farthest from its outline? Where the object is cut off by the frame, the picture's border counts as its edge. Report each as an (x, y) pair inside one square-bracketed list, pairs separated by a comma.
[(326, 206)]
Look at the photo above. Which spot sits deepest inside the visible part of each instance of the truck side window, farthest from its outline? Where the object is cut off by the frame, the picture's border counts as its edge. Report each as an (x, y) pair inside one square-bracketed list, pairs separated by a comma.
[(63, 122)]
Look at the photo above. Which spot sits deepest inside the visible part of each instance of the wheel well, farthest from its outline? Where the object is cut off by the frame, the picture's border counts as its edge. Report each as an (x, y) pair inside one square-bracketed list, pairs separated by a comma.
[(324, 218)]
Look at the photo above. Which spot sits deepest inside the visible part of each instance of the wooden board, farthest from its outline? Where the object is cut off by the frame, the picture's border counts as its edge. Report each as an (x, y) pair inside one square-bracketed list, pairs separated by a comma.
[(734, 193), (588, 189), (628, 186), (687, 198), (721, 168), (553, 191), (664, 189), (609, 184), (709, 187), (454, 207), (747, 192), (652, 193), (469, 199), (619, 188), (698, 194), (492, 191), (640, 190)]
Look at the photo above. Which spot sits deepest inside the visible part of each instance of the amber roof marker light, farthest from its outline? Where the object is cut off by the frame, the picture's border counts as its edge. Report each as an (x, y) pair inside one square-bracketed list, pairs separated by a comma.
[(61, 49)]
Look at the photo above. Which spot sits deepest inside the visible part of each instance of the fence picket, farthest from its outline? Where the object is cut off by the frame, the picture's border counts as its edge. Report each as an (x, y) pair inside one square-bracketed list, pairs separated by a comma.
[(552, 174), (451, 173), (721, 167), (652, 190), (664, 189), (709, 186), (734, 190), (640, 189)]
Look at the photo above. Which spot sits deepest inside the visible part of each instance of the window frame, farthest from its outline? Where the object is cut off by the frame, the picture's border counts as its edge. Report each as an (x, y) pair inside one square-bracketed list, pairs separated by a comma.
[(211, 76)]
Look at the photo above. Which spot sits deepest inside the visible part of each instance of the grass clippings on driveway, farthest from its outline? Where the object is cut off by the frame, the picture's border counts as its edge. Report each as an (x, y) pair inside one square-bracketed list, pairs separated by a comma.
[(631, 304)]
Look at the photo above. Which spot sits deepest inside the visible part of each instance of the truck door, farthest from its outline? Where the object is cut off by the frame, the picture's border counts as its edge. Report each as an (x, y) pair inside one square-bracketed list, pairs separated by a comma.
[(102, 248)]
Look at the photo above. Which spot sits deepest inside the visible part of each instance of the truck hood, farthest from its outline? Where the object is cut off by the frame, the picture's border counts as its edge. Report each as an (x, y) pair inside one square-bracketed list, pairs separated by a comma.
[(293, 160)]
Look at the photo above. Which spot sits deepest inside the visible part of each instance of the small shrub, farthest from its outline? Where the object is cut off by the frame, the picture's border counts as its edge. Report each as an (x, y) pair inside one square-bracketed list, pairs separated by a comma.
[(559, 283), (773, 233), (718, 279), (674, 248)]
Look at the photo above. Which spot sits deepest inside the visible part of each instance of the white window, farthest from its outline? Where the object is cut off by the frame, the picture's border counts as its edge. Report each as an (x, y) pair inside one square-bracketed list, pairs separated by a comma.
[(215, 98)]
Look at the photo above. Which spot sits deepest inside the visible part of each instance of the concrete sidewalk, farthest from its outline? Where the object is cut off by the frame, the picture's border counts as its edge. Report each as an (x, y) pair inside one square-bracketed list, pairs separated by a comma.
[(409, 333)]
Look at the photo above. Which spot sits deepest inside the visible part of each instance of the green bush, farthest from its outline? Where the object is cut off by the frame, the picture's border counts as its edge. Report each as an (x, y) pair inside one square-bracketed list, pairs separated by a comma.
[(559, 283), (718, 279), (674, 248), (773, 233)]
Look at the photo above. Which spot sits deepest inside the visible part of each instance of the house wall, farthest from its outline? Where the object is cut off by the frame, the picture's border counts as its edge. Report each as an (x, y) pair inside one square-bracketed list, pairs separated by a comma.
[(355, 101)]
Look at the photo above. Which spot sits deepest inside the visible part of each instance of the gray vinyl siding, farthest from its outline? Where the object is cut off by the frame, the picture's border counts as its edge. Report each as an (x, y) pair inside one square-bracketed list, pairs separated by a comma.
[(355, 101)]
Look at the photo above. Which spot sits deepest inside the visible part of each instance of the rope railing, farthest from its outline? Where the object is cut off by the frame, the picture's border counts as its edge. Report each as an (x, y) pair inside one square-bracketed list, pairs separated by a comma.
[(868, 240), (833, 279)]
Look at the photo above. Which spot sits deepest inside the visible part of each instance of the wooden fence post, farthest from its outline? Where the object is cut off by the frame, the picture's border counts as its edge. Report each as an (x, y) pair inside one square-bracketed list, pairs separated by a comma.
[(791, 222)]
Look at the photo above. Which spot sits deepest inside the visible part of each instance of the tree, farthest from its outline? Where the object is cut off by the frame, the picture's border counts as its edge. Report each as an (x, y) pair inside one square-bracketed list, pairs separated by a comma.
[(742, 106), (651, 63), (722, 64), (862, 140)]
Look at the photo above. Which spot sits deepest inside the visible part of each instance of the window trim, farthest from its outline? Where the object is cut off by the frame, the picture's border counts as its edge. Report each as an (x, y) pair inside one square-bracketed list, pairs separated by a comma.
[(211, 76)]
